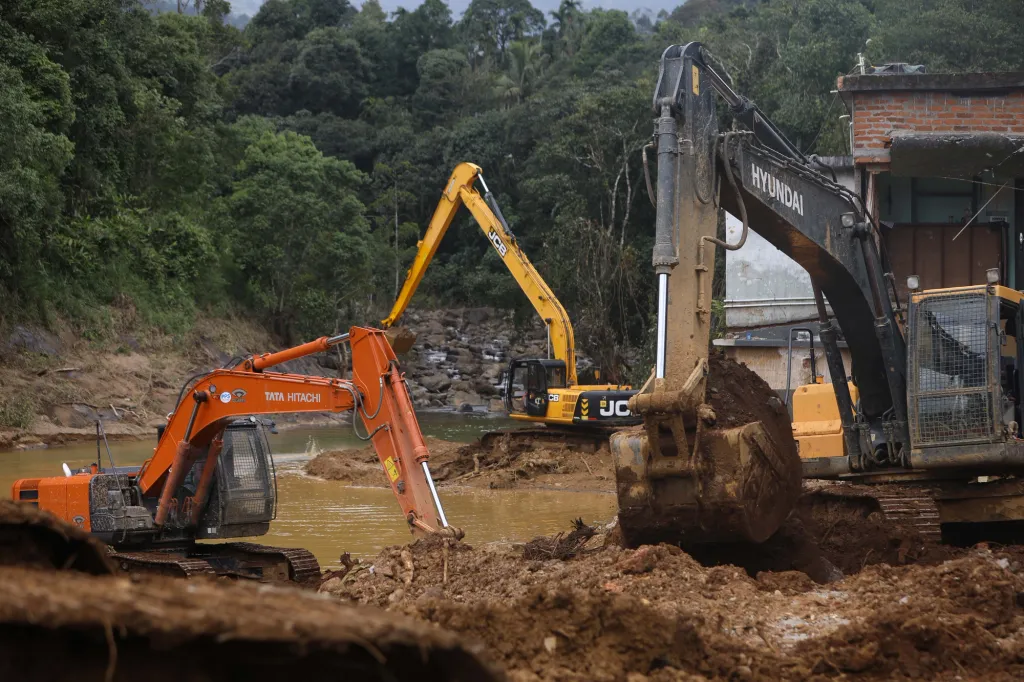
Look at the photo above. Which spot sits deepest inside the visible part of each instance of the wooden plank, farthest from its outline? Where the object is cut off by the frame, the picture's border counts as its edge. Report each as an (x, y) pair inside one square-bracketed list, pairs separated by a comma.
[(957, 266), (986, 250)]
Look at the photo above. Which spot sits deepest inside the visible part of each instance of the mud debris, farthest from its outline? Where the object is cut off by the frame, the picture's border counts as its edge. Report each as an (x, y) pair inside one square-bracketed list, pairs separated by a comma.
[(60, 620), (656, 613), (33, 538), (560, 546), (68, 625), (474, 465)]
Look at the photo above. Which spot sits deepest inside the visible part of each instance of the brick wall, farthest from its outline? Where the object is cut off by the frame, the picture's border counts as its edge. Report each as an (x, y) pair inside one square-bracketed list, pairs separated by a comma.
[(876, 115)]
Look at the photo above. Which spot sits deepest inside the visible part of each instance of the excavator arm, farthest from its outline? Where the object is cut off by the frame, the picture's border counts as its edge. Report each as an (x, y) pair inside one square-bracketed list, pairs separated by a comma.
[(377, 394), (460, 192), (781, 194)]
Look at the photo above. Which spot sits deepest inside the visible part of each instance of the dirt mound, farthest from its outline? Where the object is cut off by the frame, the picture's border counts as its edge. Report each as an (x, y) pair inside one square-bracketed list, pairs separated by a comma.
[(656, 611), (34, 538), (360, 466), (836, 529), (474, 465), (739, 396), (64, 625)]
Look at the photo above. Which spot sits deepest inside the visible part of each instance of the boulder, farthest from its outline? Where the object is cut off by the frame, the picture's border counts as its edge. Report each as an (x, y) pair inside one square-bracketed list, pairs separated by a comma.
[(34, 340), (460, 398), (436, 383), (484, 387), (471, 371), (477, 315)]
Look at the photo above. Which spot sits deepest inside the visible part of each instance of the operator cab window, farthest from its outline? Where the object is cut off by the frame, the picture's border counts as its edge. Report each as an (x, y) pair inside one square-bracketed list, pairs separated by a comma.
[(556, 377), (518, 387)]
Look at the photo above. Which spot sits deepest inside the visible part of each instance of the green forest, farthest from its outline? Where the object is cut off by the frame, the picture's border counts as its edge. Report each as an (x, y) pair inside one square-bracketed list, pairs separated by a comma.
[(163, 166)]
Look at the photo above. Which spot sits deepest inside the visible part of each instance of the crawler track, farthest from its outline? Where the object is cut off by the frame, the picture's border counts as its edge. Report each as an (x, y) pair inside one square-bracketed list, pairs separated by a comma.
[(583, 439), (240, 560), (912, 508), (158, 562)]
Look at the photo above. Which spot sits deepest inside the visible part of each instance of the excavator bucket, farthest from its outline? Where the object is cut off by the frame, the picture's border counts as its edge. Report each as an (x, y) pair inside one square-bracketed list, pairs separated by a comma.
[(401, 339), (733, 484)]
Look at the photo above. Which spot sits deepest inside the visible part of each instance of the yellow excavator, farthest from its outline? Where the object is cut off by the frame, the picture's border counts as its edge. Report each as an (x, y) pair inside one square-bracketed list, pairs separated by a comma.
[(547, 391)]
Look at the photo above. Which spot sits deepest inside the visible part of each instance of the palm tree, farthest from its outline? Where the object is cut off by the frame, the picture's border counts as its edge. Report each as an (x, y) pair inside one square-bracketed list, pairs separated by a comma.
[(568, 23), (564, 16), (526, 62)]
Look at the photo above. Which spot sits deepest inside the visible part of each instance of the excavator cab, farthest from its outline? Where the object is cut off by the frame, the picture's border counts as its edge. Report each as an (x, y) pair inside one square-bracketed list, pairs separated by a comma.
[(535, 379)]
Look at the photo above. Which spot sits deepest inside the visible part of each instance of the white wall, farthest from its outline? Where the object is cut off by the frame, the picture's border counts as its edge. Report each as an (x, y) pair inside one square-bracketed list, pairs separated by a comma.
[(764, 286)]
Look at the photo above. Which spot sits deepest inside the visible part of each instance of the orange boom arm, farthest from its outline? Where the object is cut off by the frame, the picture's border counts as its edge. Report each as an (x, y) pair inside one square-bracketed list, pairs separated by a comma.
[(377, 392)]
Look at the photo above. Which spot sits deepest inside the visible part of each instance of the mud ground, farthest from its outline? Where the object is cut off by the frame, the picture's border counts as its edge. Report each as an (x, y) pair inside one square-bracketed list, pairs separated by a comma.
[(64, 616), (656, 613)]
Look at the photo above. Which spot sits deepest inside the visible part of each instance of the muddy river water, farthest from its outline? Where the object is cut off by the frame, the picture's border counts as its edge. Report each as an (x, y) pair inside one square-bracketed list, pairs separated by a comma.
[(330, 517)]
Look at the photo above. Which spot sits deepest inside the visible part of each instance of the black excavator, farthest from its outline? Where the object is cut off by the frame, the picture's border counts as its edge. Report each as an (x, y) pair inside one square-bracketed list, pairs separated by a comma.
[(931, 421)]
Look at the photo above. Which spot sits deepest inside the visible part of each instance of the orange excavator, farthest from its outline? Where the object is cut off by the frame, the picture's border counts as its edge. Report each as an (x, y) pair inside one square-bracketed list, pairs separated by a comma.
[(211, 475)]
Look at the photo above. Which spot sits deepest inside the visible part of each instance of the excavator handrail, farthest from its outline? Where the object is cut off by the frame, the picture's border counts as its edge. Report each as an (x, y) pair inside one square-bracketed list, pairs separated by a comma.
[(459, 191)]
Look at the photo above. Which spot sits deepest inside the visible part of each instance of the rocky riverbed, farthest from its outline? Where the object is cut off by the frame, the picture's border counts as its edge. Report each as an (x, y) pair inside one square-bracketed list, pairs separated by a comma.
[(460, 354)]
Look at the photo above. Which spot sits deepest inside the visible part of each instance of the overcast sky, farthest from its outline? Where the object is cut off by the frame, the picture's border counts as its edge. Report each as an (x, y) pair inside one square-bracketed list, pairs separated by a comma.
[(458, 6)]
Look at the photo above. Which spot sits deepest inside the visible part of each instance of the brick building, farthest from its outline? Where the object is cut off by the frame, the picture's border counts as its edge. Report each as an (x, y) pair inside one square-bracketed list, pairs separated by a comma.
[(939, 160), (934, 151)]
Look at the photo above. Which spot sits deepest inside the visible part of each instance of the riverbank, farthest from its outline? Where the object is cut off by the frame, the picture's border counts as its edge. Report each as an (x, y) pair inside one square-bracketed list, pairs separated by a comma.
[(59, 384)]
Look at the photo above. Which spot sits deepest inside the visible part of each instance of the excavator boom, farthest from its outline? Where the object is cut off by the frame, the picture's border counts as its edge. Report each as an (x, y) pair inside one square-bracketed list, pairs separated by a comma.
[(682, 478), (458, 192)]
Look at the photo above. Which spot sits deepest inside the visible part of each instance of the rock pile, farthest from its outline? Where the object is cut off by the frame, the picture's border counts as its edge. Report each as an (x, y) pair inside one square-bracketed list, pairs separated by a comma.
[(460, 354)]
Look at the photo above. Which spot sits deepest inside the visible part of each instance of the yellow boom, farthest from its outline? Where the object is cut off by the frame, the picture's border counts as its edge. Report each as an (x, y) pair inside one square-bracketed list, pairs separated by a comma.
[(458, 192)]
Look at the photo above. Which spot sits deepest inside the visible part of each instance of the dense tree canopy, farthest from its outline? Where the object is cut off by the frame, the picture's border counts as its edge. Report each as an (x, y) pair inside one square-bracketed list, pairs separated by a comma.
[(166, 163)]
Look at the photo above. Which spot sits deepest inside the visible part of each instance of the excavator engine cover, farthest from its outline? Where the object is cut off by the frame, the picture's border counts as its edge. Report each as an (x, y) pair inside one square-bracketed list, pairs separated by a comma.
[(738, 487)]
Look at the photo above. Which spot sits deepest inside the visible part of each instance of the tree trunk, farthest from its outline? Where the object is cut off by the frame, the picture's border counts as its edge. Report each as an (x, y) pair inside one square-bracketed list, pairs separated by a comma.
[(398, 261)]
